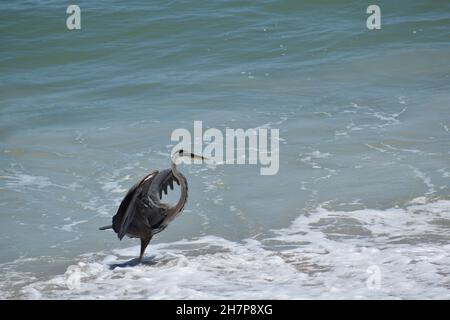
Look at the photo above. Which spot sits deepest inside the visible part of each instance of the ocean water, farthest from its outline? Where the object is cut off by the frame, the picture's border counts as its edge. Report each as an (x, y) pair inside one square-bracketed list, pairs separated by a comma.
[(362, 191)]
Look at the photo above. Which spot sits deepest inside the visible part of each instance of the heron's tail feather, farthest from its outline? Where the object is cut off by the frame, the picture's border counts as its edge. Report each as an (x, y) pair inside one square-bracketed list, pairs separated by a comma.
[(105, 227)]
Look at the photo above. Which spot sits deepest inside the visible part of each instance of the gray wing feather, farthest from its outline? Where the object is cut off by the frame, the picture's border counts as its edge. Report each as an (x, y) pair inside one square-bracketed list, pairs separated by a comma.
[(141, 208), (127, 208)]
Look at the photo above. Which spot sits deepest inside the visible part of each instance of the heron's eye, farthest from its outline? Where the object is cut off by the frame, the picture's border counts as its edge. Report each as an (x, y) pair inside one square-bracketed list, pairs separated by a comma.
[(181, 152)]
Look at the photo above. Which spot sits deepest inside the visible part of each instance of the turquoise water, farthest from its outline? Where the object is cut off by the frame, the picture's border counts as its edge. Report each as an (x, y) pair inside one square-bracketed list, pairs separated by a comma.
[(364, 123)]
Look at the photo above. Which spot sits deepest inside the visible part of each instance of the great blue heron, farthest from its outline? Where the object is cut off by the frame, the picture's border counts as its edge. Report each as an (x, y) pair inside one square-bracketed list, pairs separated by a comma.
[(141, 214)]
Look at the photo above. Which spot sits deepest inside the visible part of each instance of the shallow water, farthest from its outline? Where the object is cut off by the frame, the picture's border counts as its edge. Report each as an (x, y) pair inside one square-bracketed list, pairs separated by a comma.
[(364, 153), (326, 255)]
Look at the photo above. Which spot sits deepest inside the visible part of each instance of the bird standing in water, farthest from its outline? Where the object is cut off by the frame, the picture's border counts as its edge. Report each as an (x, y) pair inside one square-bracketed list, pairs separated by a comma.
[(141, 214)]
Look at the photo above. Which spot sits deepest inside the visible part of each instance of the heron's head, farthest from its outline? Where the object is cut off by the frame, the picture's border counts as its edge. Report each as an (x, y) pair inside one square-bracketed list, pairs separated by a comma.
[(184, 154)]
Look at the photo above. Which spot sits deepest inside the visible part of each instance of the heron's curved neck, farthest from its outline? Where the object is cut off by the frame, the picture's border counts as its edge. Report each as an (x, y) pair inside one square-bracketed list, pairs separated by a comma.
[(184, 191)]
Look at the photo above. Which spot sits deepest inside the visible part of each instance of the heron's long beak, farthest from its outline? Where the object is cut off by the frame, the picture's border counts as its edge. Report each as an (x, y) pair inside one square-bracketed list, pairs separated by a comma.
[(194, 156)]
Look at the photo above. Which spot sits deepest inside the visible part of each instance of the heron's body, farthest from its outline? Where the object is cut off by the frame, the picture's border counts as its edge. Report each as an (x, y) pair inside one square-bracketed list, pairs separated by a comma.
[(141, 214)]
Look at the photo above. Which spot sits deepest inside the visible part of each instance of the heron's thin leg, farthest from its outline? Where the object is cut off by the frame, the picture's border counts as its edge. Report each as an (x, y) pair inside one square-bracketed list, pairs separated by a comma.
[(144, 243)]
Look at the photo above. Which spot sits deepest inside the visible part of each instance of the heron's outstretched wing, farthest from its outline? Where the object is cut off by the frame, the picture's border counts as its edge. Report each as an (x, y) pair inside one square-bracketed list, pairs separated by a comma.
[(126, 210), (161, 183), (141, 208)]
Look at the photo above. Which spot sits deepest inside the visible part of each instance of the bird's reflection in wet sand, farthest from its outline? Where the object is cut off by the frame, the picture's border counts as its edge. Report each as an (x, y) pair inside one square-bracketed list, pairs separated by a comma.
[(148, 261)]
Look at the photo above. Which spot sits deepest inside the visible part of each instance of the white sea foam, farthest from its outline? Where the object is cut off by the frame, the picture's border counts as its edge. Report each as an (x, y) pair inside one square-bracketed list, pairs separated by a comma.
[(426, 180), (443, 125), (389, 118), (445, 174), (69, 227), (325, 254), (374, 148), (21, 180), (115, 186)]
